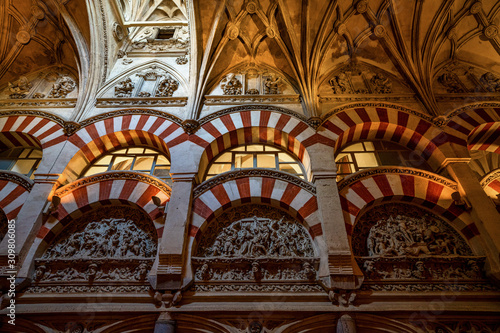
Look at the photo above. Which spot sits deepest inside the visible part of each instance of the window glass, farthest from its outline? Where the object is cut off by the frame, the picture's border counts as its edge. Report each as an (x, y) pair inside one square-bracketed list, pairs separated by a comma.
[(370, 154), (137, 159), (255, 156), (21, 160)]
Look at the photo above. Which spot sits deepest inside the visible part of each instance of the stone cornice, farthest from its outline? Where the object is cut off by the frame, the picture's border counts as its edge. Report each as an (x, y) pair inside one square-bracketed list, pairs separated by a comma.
[(349, 180), (145, 101), (232, 175), (244, 99), (114, 175), (39, 103), (17, 178)]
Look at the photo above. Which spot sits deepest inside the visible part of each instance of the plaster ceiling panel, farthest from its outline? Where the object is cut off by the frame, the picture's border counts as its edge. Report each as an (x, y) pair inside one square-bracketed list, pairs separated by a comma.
[(292, 11), (372, 52), (428, 12), (480, 52), (356, 24), (236, 5), (28, 60), (270, 53), (337, 54), (250, 27), (317, 9)]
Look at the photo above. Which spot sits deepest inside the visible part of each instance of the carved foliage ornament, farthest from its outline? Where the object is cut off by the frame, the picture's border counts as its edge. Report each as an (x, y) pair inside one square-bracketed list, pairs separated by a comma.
[(62, 87), (231, 85)]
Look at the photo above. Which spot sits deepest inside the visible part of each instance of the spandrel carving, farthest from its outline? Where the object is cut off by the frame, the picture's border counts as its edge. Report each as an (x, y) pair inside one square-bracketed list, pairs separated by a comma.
[(62, 88), (20, 88), (230, 85), (124, 88), (167, 87)]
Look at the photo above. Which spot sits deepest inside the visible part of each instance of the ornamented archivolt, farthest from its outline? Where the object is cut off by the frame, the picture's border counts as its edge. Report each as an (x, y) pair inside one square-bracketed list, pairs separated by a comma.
[(403, 242), (255, 243), (119, 245)]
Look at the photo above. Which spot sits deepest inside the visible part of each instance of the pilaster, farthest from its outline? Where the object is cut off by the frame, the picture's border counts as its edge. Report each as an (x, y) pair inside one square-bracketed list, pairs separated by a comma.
[(483, 212), (171, 254)]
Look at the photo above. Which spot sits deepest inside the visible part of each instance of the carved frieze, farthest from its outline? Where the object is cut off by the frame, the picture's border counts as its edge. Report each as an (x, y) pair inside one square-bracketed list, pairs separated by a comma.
[(401, 242), (255, 243), (293, 288), (69, 289), (103, 246), (354, 79), (258, 237)]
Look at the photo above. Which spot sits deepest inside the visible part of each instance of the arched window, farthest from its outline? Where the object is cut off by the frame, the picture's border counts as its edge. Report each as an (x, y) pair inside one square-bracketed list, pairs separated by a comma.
[(22, 160), (364, 155), (255, 156), (134, 159)]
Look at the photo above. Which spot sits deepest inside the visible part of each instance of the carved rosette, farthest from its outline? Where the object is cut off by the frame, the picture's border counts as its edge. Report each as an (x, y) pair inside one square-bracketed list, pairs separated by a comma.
[(255, 243), (400, 242), (112, 246)]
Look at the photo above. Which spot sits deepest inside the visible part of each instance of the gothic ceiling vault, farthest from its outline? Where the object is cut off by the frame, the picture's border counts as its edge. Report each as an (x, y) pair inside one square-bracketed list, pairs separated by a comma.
[(422, 51)]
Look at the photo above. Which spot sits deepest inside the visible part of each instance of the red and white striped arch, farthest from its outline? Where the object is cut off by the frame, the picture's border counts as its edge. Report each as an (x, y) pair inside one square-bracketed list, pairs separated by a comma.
[(273, 128), (485, 137), (426, 192), (493, 188), (80, 199), (97, 139), (32, 131), (266, 190), (372, 123), (12, 198), (465, 122)]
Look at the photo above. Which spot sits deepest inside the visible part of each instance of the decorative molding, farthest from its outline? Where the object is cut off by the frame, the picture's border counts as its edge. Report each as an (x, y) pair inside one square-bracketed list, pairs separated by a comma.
[(221, 113), (469, 108), (40, 103), (244, 99), (364, 97), (490, 177), (429, 287), (35, 113), (232, 175), (105, 40), (141, 101), (87, 289), (350, 179), (245, 287), (19, 179), (115, 175)]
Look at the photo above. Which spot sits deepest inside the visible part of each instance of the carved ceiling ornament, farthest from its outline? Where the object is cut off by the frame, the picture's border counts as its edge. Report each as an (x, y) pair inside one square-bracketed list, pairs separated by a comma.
[(356, 78), (255, 243), (115, 244), (62, 87), (398, 241), (230, 85), (460, 77)]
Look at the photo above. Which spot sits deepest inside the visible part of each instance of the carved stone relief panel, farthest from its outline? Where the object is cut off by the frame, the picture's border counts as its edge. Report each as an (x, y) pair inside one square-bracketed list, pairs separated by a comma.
[(404, 242), (52, 83), (457, 77), (152, 81), (152, 40), (115, 244), (356, 78), (255, 243), (252, 80)]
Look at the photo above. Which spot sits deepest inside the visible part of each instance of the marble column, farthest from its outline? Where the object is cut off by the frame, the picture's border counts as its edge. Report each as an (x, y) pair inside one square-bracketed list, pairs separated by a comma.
[(165, 324)]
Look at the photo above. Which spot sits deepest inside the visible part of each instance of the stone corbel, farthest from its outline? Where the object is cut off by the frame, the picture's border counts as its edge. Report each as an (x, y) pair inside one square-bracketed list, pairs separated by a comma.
[(344, 273)]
